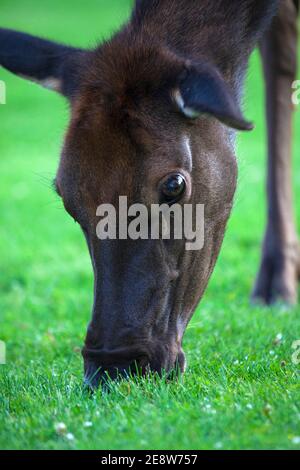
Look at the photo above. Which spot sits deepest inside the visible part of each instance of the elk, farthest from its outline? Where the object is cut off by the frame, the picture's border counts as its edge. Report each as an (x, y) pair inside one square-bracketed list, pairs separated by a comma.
[(154, 112)]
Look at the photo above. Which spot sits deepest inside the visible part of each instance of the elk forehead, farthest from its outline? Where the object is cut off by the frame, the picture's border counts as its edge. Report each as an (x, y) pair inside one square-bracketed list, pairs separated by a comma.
[(120, 126), (103, 159)]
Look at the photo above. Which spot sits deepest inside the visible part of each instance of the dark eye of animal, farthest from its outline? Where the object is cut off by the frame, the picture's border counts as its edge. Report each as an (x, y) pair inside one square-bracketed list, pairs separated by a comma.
[(172, 188)]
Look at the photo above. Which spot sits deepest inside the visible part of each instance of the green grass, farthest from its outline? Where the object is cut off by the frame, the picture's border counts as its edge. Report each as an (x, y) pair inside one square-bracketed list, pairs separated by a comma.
[(237, 393)]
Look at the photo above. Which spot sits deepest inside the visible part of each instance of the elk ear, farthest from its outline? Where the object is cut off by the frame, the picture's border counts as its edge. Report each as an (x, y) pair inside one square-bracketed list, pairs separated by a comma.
[(52, 65), (202, 90)]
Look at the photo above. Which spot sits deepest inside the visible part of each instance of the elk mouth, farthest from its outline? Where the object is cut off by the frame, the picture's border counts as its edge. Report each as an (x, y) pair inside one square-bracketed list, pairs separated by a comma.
[(103, 366)]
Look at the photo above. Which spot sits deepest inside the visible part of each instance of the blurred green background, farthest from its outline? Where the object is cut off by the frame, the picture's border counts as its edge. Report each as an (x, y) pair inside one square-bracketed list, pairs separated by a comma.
[(241, 389)]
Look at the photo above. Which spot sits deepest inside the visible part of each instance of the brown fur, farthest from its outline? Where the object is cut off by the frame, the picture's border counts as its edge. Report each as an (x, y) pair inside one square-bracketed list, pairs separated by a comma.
[(127, 133)]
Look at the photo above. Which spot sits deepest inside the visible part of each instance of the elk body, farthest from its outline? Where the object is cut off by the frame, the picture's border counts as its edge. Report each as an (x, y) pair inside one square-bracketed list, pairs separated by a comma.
[(154, 112)]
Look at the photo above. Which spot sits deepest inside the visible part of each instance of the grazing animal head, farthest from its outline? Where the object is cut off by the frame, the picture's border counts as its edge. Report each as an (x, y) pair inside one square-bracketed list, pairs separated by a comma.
[(152, 118)]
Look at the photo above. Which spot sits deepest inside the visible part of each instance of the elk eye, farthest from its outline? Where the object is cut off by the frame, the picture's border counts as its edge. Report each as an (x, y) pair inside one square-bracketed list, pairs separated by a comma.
[(173, 188)]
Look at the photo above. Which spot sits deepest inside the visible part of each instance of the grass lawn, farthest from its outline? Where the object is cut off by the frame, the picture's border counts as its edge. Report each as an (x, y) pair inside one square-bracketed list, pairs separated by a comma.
[(241, 389)]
